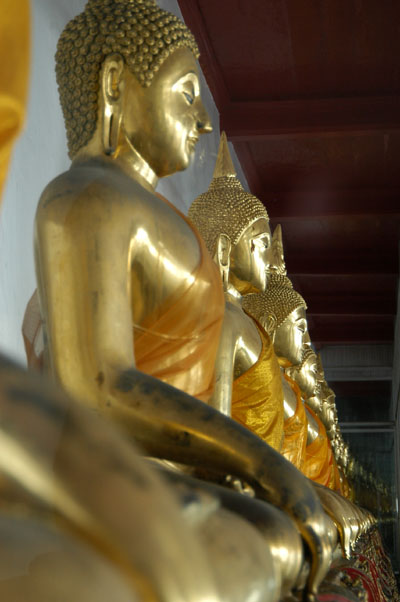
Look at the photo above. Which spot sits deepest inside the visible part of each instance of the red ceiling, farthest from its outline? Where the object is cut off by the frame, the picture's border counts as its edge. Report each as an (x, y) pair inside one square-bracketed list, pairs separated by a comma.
[(309, 93)]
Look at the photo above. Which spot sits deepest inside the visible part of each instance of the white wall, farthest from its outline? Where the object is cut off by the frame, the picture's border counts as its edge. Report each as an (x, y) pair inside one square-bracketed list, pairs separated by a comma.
[(41, 154)]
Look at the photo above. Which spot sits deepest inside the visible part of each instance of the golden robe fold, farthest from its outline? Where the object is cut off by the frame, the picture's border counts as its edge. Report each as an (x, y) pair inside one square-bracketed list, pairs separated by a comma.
[(180, 345), (257, 397), (14, 70)]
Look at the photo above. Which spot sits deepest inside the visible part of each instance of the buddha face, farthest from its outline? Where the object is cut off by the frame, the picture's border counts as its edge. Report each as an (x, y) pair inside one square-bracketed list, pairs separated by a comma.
[(328, 404), (328, 413), (307, 375), (291, 337), (164, 121), (250, 258)]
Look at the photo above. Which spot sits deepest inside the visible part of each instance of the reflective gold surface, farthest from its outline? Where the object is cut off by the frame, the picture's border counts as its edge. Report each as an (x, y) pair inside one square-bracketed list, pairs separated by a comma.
[(68, 480), (290, 338), (105, 266), (95, 227), (281, 311), (140, 33), (235, 227), (306, 374), (234, 239), (278, 531), (73, 477)]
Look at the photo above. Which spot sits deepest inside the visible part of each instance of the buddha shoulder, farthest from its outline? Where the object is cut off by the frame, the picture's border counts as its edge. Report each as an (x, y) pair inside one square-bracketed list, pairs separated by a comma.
[(243, 331), (95, 197)]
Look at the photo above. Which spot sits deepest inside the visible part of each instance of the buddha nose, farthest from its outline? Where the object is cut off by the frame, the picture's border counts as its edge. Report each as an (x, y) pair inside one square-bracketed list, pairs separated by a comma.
[(203, 121)]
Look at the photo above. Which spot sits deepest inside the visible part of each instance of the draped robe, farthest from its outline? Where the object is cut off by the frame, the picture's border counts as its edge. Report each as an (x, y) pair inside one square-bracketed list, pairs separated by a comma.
[(178, 344), (257, 396), (318, 464), (14, 69)]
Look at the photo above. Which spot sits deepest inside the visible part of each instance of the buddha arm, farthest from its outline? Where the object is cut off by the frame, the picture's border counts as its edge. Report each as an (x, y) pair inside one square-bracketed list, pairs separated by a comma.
[(224, 366), (312, 427), (84, 251), (170, 424)]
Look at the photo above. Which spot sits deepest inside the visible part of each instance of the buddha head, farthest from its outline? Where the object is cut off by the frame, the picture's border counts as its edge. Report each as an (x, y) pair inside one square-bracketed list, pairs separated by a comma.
[(328, 410), (235, 227), (282, 312), (351, 468), (127, 73), (338, 446), (328, 406), (307, 375), (345, 457)]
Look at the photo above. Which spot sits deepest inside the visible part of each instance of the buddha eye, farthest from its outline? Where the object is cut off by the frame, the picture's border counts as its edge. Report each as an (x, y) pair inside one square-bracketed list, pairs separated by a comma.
[(188, 97), (261, 242), (301, 326)]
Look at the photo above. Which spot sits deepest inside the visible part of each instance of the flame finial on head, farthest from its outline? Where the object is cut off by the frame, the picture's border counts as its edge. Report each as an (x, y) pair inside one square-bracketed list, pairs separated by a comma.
[(278, 265), (224, 165)]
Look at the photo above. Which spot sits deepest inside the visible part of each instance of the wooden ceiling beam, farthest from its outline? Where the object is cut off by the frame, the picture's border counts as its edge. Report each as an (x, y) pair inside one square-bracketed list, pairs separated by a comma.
[(343, 333), (258, 120), (350, 305), (246, 159), (290, 205), (355, 265)]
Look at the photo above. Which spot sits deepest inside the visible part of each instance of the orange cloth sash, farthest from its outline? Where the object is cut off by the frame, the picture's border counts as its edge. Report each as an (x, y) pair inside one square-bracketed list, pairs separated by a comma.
[(180, 345), (14, 69), (257, 396)]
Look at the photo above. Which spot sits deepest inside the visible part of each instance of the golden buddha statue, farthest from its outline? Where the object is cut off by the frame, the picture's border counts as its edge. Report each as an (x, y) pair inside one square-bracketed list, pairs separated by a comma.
[(327, 411), (235, 227), (325, 407), (349, 519), (320, 465), (281, 311), (70, 481), (119, 300), (118, 63)]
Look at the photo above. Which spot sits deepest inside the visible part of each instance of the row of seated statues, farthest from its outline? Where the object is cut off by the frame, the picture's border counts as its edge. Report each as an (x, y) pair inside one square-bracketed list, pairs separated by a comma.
[(182, 336)]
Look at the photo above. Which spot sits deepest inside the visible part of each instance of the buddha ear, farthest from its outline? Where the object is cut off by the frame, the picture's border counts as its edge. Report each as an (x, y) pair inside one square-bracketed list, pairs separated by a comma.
[(112, 86), (270, 326), (279, 266), (223, 257)]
